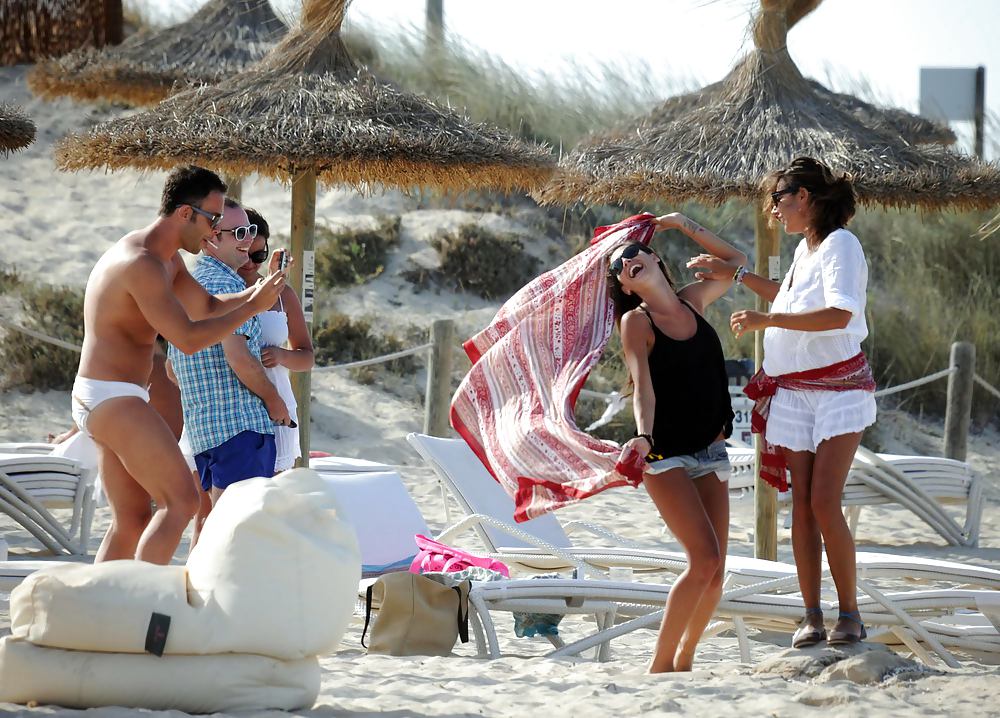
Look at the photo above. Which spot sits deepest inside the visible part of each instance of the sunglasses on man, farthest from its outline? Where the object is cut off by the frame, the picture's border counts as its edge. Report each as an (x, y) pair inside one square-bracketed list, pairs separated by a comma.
[(213, 219), (241, 233), (630, 252), (260, 256), (778, 194)]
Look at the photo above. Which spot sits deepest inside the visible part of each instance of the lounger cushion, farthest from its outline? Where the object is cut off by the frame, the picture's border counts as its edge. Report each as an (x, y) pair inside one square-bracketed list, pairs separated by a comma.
[(194, 684), (275, 572)]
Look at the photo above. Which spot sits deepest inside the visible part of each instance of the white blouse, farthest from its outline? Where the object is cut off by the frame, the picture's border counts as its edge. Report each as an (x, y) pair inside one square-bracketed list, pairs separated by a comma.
[(835, 274)]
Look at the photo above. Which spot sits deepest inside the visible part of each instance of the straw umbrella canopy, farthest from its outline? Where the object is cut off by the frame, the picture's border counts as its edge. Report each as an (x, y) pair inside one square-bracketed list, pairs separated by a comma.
[(718, 143), (308, 112), (16, 129), (222, 38)]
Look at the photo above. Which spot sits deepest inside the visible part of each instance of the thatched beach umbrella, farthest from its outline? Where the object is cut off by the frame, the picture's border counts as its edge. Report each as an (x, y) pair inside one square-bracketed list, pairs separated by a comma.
[(32, 29), (718, 144), (16, 129), (222, 38), (308, 112)]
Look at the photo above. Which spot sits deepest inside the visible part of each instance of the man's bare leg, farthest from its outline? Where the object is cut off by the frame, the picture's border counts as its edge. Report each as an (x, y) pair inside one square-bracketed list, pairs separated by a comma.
[(138, 445), (131, 509)]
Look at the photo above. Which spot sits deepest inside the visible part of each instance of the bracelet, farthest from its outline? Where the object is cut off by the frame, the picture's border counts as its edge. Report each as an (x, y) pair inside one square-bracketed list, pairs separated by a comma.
[(647, 437), (738, 275)]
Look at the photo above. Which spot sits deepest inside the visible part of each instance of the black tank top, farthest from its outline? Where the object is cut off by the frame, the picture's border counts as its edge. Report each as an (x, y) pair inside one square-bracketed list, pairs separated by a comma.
[(691, 388)]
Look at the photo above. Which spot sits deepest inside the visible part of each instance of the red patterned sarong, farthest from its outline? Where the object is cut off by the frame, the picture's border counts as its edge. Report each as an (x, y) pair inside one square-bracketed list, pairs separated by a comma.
[(849, 375), (515, 406)]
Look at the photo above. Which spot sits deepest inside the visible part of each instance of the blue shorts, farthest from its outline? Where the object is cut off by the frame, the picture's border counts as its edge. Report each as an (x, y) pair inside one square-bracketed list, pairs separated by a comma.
[(245, 456), (713, 459)]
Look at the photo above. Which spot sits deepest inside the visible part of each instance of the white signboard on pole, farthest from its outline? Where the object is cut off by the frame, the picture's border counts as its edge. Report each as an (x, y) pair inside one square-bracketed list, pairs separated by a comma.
[(948, 93)]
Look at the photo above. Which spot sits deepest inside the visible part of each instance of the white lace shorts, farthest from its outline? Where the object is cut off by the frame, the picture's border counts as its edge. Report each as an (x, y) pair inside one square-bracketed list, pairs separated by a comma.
[(800, 420)]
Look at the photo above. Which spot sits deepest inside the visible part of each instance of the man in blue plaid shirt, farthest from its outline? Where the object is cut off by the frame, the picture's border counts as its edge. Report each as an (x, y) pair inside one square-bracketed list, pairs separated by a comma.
[(230, 406)]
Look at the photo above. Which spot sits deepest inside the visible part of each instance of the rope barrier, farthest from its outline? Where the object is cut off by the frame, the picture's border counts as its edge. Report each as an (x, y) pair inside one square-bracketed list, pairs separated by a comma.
[(375, 360), (987, 386), (613, 399), (42, 337), (916, 382)]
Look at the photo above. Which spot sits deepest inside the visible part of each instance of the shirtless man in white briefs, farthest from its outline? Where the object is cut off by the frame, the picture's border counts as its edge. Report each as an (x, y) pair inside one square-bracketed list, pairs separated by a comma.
[(139, 288)]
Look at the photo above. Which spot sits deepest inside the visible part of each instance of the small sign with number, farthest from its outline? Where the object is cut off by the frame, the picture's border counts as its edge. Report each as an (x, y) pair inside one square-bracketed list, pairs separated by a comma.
[(308, 283)]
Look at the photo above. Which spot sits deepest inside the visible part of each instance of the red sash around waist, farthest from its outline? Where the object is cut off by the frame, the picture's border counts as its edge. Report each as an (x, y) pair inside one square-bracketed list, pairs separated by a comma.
[(849, 375)]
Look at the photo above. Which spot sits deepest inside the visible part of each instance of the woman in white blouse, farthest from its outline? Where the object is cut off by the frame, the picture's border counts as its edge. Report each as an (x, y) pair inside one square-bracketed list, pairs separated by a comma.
[(815, 377)]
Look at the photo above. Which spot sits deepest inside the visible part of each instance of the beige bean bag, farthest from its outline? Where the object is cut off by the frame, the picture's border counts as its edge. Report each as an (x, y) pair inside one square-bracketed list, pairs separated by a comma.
[(194, 684), (275, 573)]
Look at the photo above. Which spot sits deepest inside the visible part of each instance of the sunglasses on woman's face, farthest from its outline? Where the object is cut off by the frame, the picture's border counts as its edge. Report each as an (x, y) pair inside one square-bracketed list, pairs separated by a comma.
[(242, 233), (260, 256), (630, 252), (778, 194)]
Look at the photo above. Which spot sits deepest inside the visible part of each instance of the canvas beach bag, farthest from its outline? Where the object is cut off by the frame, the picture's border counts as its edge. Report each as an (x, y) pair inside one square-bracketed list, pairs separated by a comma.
[(417, 616)]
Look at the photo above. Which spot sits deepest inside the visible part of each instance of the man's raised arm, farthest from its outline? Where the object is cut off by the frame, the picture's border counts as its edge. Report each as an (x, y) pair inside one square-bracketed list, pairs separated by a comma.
[(198, 303), (148, 284)]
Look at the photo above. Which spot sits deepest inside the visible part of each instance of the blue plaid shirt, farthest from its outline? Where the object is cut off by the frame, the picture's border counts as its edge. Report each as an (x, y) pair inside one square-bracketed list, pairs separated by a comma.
[(217, 406)]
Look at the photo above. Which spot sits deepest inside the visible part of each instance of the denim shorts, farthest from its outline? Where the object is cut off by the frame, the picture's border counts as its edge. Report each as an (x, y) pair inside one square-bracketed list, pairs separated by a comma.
[(713, 459)]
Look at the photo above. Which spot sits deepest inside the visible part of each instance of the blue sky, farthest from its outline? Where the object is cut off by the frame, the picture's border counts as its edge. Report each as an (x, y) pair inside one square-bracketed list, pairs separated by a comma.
[(881, 43)]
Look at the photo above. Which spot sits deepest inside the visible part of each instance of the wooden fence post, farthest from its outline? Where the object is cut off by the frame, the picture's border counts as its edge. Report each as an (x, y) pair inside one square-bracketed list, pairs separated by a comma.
[(958, 413), (437, 401)]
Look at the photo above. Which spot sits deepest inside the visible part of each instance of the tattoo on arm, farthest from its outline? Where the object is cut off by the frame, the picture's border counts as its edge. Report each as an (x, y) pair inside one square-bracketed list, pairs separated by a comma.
[(691, 227)]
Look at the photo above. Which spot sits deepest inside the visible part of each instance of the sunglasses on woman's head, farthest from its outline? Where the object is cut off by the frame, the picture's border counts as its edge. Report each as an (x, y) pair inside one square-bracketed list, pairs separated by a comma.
[(241, 233), (630, 252)]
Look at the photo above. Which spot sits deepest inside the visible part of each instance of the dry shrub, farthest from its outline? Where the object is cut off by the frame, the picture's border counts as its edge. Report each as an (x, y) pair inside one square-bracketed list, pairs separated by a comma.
[(478, 260), (353, 256), (338, 339), (931, 283), (29, 363)]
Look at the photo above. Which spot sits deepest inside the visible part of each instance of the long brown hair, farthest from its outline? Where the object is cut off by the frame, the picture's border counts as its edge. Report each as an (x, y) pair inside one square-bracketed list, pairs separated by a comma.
[(831, 195)]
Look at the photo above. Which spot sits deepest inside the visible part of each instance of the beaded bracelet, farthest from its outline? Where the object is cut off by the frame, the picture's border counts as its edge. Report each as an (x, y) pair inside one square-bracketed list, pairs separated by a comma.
[(647, 437), (739, 274)]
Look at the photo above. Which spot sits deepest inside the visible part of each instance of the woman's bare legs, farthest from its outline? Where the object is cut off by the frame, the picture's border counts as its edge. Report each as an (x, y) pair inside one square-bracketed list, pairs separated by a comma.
[(680, 505), (807, 542), (715, 498), (833, 461)]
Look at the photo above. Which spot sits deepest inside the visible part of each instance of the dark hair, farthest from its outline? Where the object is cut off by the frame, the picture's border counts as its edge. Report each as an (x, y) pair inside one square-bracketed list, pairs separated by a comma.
[(255, 217), (831, 195), (624, 303), (188, 185), (231, 203)]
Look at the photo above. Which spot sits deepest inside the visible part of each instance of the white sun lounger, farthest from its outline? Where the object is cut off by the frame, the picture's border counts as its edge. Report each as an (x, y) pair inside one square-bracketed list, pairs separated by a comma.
[(904, 614), (477, 493), (31, 484), (922, 484)]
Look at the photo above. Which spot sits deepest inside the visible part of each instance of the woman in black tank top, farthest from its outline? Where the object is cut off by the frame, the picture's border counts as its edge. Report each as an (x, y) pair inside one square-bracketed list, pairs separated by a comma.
[(682, 417)]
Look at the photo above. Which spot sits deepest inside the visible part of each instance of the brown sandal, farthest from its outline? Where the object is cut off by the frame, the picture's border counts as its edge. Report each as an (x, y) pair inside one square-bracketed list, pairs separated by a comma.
[(843, 638), (807, 634)]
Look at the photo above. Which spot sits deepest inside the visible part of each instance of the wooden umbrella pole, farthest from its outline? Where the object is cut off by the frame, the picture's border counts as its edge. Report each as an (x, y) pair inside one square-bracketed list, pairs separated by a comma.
[(301, 277), (765, 497)]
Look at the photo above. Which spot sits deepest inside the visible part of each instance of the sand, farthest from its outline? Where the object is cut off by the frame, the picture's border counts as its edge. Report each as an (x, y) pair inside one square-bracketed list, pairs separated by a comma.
[(57, 225)]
